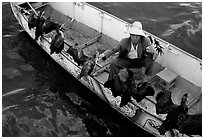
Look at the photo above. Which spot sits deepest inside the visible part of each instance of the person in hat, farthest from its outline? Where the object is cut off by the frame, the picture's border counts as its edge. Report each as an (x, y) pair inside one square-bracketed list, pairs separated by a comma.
[(132, 53)]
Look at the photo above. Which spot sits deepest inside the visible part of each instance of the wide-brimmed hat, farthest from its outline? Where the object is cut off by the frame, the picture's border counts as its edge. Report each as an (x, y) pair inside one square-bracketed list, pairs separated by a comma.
[(136, 29)]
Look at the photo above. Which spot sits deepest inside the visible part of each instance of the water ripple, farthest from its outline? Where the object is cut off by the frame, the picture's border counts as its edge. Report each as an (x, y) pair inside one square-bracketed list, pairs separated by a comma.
[(11, 72)]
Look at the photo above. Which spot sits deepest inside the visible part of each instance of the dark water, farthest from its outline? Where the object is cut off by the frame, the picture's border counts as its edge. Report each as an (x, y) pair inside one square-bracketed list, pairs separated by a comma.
[(41, 99)]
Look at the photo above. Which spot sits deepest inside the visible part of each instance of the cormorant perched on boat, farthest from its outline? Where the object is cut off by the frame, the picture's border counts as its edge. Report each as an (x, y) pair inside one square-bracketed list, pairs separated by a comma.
[(164, 102), (143, 89), (57, 44), (138, 92), (131, 89), (79, 57), (39, 24), (178, 117), (89, 65), (42, 24), (32, 19), (50, 25)]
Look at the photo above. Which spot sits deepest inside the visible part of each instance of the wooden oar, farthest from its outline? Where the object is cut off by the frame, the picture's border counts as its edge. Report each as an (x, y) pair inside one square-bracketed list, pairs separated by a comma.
[(103, 93)]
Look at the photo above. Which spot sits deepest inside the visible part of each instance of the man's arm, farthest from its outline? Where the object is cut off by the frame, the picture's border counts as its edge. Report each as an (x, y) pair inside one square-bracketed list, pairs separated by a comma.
[(149, 47), (108, 53)]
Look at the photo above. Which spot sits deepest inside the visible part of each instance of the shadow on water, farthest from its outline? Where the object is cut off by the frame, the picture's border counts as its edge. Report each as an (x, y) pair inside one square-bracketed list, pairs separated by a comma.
[(56, 104)]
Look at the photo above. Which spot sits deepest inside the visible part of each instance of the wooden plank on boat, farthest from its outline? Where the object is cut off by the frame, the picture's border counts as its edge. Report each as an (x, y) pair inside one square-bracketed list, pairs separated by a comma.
[(135, 104), (95, 39), (101, 69), (101, 89), (32, 8), (194, 100)]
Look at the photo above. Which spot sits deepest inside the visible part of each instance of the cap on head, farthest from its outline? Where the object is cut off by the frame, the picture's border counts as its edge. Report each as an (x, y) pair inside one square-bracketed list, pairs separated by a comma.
[(136, 29)]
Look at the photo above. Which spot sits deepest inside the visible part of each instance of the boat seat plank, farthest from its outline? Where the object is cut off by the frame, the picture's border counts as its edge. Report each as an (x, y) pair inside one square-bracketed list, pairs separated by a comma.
[(38, 6), (88, 44), (93, 40), (73, 37), (102, 77)]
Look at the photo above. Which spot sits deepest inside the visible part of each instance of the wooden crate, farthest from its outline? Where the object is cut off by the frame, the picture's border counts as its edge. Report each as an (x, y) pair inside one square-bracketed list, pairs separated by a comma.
[(166, 78)]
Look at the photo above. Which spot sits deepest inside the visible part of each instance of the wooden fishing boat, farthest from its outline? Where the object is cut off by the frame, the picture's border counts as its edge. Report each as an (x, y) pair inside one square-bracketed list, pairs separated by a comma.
[(95, 29)]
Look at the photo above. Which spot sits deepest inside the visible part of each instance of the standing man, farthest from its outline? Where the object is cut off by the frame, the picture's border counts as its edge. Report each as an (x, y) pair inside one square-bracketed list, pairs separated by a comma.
[(134, 51)]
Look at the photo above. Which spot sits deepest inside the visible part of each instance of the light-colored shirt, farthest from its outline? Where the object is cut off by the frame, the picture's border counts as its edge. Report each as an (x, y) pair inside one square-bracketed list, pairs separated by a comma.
[(133, 52)]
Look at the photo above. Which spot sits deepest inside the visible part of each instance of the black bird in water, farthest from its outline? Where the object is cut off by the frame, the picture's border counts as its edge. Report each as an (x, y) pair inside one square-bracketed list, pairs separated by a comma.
[(89, 65)]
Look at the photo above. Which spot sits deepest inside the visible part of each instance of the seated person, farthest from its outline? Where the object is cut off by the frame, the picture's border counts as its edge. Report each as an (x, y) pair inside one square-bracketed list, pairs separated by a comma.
[(134, 51)]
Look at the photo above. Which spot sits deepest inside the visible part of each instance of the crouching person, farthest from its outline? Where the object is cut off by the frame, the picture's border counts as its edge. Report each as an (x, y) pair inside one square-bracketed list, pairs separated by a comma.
[(57, 44), (132, 54)]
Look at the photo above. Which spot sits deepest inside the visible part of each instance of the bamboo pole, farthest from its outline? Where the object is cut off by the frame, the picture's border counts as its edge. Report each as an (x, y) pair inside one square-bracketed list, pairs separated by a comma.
[(32, 8)]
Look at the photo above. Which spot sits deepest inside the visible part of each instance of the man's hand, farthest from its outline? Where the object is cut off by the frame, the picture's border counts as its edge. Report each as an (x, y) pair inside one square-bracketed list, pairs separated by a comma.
[(150, 49), (102, 56), (155, 56)]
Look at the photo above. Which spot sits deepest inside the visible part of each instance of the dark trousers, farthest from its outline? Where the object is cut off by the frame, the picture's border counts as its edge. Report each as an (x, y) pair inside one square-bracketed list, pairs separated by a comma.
[(120, 63)]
